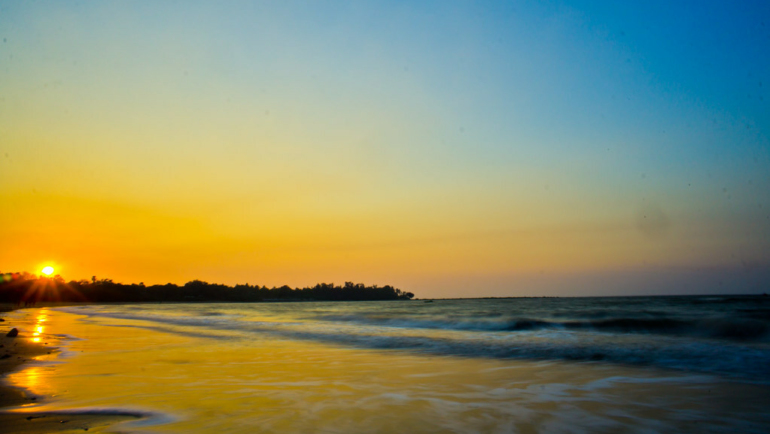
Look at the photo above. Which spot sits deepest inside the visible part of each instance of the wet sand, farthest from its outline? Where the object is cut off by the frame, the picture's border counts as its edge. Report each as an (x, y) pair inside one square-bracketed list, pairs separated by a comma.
[(17, 406)]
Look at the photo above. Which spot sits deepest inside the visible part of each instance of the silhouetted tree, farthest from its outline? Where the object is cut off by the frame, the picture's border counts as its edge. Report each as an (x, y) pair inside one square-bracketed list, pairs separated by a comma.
[(26, 287)]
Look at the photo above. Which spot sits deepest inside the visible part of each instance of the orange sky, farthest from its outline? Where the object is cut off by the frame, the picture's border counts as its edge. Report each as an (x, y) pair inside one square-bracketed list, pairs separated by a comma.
[(262, 146)]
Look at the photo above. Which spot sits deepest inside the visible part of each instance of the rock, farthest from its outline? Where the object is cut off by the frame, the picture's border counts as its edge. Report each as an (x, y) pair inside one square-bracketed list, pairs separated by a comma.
[(13, 333)]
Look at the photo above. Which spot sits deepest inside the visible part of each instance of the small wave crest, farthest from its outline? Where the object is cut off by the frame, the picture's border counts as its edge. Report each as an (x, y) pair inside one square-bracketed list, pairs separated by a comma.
[(716, 358), (738, 329)]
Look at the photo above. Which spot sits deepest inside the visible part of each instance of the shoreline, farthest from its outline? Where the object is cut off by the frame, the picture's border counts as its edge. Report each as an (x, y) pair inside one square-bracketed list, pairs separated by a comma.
[(15, 353), (309, 368)]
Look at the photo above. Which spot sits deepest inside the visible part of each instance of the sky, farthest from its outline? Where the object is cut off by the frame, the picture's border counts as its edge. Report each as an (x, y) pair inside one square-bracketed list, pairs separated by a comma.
[(451, 149)]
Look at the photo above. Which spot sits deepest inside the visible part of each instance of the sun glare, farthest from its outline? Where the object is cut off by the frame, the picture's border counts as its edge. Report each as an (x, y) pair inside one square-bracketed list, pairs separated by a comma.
[(47, 270)]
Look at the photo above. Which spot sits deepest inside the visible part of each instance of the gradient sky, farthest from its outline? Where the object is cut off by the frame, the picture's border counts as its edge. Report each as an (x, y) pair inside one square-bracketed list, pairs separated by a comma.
[(447, 148)]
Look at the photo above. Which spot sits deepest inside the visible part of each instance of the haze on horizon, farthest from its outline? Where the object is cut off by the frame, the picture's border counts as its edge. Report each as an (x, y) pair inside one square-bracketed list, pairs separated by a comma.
[(449, 149)]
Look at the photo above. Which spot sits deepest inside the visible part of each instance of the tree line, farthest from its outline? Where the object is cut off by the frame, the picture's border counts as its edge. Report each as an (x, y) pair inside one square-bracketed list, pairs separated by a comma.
[(25, 288)]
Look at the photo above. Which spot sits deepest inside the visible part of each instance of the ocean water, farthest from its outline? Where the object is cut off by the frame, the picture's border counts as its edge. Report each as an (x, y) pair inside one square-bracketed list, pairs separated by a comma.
[(631, 364)]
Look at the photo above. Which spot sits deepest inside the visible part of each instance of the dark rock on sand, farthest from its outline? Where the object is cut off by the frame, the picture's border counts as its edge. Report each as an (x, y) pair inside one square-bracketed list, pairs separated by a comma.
[(13, 333)]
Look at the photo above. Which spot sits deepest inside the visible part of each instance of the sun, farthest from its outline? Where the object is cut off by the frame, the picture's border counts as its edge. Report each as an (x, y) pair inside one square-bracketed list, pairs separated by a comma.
[(47, 270)]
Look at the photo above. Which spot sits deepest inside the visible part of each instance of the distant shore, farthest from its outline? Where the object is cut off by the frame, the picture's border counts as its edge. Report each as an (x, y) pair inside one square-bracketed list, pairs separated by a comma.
[(25, 289)]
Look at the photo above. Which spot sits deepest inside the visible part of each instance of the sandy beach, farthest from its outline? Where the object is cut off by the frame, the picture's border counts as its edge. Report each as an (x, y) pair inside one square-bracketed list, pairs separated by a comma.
[(15, 352)]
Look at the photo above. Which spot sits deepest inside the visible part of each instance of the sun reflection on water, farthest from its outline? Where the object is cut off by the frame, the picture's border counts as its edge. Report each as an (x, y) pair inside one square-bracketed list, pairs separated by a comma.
[(40, 319), (29, 378)]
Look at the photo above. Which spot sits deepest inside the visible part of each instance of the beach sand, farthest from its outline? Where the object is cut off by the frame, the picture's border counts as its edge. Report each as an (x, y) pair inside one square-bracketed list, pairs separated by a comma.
[(14, 352)]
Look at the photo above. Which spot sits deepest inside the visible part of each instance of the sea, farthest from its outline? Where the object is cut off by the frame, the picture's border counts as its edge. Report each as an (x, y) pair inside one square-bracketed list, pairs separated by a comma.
[(519, 365)]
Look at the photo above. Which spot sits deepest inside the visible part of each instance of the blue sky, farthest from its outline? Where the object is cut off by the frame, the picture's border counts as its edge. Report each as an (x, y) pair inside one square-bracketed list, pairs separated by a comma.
[(293, 142)]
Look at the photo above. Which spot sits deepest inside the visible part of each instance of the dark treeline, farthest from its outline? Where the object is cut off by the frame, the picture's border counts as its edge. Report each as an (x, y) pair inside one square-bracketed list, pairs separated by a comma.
[(25, 288)]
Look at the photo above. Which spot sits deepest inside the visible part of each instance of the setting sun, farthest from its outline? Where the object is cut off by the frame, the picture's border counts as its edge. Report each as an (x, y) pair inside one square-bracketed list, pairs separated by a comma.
[(379, 216)]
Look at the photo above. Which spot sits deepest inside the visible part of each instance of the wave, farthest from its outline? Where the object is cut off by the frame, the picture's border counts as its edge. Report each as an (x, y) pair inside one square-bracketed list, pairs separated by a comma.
[(747, 329), (711, 356), (722, 328), (754, 328)]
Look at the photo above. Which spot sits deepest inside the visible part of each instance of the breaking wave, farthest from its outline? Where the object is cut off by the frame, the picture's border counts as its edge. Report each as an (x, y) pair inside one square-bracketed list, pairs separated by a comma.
[(732, 329), (735, 347)]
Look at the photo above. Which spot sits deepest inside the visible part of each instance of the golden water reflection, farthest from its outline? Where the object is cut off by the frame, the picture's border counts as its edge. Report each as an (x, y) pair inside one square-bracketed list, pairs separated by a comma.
[(33, 378), (40, 319), (29, 378)]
